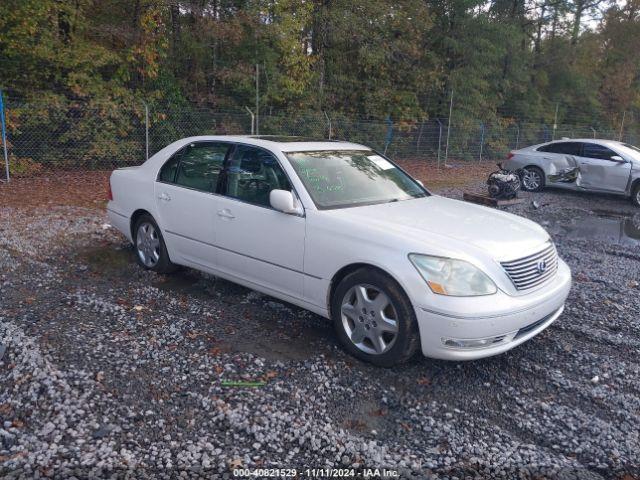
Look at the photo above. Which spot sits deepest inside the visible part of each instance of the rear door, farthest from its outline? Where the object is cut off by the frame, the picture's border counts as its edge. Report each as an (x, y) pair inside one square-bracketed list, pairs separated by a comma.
[(186, 201), (599, 172), (558, 160), (256, 242)]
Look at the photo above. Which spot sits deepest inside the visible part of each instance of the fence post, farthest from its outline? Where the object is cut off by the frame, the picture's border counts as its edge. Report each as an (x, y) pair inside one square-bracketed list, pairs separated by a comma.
[(624, 114), (389, 136), (4, 136), (555, 123), (439, 139), (329, 122), (594, 131), (257, 98), (419, 137), (481, 140), (517, 135), (253, 120), (146, 129), (446, 150)]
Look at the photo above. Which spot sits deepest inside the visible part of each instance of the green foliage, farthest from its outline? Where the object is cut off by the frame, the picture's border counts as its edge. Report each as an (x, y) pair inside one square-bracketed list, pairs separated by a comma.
[(90, 63)]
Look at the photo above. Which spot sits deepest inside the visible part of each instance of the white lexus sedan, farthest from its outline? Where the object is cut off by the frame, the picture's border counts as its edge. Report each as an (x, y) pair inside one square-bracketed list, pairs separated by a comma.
[(587, 164), (340, 230)]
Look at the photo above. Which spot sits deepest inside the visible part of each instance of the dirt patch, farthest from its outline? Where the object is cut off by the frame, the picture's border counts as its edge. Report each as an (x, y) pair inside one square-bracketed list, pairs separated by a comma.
[(454, 175), (80, 189), (108, 258)]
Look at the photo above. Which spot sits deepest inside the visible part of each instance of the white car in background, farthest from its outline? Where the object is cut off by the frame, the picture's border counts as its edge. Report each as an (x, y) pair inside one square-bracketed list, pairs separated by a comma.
[(340, 230), (591, 165)]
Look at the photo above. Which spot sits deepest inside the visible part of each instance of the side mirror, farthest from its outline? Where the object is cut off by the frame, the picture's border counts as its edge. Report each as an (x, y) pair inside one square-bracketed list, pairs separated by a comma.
[(617, 158), (284, 201)]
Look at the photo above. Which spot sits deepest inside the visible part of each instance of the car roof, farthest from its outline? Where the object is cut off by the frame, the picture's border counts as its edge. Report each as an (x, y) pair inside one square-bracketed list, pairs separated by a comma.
[(282, 143), (603, 141)]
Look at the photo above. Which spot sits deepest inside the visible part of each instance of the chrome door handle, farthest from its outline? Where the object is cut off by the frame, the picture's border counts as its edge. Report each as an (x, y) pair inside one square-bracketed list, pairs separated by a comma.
[(165, 197), (226, 214)]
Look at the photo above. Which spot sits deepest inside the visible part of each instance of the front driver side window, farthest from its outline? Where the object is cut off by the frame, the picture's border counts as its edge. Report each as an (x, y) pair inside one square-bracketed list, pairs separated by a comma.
[(200, 166), (593, 150), (251, 175)]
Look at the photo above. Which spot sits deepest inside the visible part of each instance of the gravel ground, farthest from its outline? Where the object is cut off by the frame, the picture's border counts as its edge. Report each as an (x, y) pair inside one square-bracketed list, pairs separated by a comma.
[(107, 370)]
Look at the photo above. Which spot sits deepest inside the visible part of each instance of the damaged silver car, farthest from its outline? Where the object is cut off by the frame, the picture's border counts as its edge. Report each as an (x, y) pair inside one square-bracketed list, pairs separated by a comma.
[(592, 165)]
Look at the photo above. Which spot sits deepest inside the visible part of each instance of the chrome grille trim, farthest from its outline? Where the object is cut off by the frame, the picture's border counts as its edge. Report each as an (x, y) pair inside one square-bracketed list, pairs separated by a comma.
[(523, 272)]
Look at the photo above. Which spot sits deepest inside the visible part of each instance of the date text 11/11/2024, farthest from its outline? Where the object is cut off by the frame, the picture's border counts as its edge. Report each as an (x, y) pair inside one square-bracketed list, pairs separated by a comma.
[(316, 473)]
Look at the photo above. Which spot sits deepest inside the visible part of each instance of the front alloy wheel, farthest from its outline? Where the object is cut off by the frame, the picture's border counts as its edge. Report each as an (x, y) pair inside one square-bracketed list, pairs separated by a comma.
[(635, 195), (369, 319), (374, 319)]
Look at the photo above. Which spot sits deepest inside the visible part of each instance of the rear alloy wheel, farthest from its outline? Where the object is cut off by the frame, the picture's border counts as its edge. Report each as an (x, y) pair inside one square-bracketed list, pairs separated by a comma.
[(532, 179), (151, 251), (374, 319)]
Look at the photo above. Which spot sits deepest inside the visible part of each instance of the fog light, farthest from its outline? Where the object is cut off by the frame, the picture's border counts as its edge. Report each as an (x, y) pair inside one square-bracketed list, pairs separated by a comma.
[(475, 343)]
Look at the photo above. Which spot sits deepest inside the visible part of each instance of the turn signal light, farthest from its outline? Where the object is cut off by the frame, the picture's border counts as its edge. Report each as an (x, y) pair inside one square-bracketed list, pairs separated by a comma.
[(510, 155)]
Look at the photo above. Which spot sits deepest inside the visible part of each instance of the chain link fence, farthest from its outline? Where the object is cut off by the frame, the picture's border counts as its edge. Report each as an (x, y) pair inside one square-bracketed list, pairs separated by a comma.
[(91, 136)]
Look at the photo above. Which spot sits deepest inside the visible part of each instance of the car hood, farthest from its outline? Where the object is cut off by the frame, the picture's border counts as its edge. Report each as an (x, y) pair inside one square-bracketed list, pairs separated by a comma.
[(502, 235)]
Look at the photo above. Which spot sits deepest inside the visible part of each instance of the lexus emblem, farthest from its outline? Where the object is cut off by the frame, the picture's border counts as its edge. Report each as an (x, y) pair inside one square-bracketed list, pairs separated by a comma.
[(541, 267)]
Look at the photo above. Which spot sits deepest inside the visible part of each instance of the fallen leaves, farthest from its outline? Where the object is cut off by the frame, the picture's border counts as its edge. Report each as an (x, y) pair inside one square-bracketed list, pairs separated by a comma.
[(82, 189)]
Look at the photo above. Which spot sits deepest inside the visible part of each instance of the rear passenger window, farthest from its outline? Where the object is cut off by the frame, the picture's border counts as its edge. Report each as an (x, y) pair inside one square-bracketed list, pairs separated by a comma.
[(252, 174), (563, 148), (200, 166), (593, 150), (168, 171)]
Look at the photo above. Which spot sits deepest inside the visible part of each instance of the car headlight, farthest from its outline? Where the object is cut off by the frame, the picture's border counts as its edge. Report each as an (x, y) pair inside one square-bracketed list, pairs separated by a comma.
[(448, 276)]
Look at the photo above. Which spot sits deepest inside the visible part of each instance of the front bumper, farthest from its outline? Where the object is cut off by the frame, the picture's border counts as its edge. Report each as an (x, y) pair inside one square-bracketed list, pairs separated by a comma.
[(509, 323)]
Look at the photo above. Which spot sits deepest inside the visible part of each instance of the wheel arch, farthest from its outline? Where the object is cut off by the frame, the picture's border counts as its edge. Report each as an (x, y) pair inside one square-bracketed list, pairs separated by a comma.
[(134, 218), (350, 268), (535, 165)]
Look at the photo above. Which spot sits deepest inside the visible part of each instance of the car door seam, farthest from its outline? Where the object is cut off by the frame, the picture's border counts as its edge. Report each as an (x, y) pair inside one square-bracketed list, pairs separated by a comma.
[(243, 255)]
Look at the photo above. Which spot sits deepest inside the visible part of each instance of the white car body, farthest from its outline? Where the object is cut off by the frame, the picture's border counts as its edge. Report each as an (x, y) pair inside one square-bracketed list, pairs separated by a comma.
[(572, 165), (297, 257)]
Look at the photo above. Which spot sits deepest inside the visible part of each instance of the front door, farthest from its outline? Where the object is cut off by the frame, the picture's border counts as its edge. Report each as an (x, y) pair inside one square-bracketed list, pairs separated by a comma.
[(256, 242), (187, 204), (599, 172)]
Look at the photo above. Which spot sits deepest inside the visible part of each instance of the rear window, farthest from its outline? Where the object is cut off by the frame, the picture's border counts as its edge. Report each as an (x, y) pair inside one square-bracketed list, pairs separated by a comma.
[(563, 148)]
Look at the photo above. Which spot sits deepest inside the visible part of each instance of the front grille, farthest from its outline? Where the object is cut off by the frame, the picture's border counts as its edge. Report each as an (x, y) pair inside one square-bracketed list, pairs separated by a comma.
[(533, 270)]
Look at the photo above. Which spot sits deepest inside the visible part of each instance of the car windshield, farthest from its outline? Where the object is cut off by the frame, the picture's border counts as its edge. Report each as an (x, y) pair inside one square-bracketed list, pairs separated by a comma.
[(349, 178)]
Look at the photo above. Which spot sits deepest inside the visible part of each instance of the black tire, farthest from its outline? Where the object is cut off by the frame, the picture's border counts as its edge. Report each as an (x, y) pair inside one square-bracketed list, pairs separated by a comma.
[(635, 194), (531, 170), (407, 338), (163, 264)]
